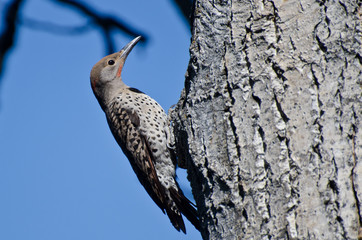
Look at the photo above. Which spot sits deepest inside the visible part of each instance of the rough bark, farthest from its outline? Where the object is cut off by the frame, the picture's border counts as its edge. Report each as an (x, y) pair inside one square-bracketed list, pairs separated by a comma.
[(269, 122)]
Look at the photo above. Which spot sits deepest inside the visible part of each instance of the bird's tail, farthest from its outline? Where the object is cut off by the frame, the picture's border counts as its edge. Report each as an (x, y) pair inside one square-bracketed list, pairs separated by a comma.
[(186, 207), (175, 217)]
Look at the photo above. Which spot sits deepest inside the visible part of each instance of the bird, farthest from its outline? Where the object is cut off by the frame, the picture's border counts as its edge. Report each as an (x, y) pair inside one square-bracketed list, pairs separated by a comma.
[(140, 127)]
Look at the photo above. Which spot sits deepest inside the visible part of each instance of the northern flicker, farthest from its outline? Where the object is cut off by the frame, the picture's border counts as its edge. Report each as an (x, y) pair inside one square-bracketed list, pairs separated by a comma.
[(139, 125)]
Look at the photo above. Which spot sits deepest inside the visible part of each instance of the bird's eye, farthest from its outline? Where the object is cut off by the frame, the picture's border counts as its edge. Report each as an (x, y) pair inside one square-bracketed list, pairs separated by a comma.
[(111, 62)]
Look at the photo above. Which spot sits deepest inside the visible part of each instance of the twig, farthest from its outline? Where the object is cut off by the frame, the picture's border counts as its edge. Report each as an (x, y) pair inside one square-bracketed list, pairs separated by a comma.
[(9, 30)]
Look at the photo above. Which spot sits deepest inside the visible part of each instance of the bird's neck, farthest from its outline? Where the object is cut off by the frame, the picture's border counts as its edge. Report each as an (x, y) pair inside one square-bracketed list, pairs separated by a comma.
[(109, 91)]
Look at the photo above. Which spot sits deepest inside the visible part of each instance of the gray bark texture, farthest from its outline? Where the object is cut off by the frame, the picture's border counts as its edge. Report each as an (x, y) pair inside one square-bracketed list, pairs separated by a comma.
[(269, 122)]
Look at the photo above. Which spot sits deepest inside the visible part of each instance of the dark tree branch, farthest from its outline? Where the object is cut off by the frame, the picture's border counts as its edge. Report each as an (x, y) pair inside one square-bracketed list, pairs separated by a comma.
[(106, 33), (9, 30), (105, 22)]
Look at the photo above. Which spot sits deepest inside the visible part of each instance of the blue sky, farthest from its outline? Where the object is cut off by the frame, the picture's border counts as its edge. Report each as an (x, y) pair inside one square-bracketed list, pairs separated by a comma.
[(62, 175)]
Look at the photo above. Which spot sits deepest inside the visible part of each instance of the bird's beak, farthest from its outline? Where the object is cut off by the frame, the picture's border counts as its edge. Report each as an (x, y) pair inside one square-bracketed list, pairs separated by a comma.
[(127, 49), (124, 53)]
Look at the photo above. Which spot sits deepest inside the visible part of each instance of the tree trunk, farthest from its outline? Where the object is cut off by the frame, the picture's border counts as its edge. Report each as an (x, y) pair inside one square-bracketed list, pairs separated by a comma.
[(269, 122)]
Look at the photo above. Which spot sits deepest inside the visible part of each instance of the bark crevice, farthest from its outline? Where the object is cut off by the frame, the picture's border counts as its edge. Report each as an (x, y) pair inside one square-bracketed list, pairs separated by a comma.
[(353, 183)]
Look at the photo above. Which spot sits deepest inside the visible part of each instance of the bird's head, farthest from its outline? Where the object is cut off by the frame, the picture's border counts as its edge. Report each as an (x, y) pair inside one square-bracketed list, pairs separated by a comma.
[(107, 72)]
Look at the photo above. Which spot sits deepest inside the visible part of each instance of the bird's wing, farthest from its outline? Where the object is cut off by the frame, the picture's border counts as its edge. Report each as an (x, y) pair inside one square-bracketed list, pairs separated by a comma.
[(124, 126)]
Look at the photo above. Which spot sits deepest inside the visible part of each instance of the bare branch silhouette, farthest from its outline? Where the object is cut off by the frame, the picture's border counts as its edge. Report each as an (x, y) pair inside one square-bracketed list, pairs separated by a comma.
[(7, 37), (106, 23)]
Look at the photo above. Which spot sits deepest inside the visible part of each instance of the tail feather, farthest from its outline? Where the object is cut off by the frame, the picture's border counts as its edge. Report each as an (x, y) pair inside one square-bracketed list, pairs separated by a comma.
[(186, 207), (176, 219)]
